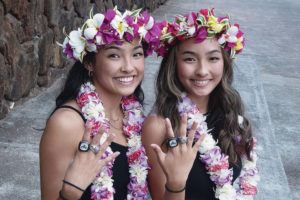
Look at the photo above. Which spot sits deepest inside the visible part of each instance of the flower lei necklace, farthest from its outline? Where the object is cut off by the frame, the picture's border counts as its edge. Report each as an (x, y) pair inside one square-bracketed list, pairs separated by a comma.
[(93, 110), (217, 163)]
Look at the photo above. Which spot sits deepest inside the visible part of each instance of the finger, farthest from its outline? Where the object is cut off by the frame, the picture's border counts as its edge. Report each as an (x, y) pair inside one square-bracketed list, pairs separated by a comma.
[(96, 139), (110, 158), (198, 143), (87, 132), (191, 134), (169, 128), (183, 125), (159, 153), (104, 146)]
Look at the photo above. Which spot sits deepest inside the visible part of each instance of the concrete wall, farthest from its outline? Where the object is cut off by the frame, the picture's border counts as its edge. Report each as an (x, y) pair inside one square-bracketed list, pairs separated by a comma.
[(29, 56)]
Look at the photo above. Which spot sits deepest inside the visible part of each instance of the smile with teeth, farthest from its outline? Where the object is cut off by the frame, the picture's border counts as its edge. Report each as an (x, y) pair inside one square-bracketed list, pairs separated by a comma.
[(125, 80), (200, 83)]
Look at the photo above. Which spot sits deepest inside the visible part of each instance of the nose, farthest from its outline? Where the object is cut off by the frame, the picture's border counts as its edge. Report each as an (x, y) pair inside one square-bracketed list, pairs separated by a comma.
[(202, 69), (127, 65)]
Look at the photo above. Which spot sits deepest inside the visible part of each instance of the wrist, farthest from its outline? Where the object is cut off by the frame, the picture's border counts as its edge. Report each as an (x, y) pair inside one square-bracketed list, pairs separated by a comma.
[(175, 187), (70, 193)]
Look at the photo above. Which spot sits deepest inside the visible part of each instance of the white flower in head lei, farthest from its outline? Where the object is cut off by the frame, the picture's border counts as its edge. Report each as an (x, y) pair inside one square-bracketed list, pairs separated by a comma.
[(217, 163), (113, 27), (102, 188)]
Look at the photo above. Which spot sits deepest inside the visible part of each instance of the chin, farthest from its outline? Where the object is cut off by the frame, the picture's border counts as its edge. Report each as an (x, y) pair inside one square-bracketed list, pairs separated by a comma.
[(127, 91)]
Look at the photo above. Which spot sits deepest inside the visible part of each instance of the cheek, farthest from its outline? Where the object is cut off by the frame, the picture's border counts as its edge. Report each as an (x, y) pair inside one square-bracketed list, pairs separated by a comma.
[(220, 71)]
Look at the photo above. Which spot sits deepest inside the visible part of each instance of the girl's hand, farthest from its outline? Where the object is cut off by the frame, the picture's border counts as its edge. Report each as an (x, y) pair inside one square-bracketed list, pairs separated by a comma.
[(86, 164), (177, 162)]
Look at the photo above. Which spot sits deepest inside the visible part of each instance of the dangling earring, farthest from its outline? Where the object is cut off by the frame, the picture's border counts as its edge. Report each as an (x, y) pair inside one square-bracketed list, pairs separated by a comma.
[(90, 73)]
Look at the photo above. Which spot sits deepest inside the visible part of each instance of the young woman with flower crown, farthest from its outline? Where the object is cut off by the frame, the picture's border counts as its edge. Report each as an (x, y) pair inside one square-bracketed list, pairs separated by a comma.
[(195, 98), (102, 97)]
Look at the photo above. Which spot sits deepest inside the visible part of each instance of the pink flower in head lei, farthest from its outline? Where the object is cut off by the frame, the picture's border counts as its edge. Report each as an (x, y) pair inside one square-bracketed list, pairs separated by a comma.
[(201, 25), (113, 27)]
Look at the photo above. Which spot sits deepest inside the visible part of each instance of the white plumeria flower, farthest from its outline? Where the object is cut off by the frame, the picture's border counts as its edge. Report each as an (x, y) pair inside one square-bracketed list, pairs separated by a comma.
[(93, 110), (230, 35), (226, 192), (99, 40), (90, 33), (191, 30), (207, 143), (135, 141), (77, 42), (96, 22), (106, 181), (139, 172), (199, 118), (91, 47), (119, 24)]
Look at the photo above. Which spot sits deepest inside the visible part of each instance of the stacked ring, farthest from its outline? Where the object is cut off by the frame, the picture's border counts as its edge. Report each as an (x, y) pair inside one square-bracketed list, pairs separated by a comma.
[(83, 146), (94, 148), (182, 140)]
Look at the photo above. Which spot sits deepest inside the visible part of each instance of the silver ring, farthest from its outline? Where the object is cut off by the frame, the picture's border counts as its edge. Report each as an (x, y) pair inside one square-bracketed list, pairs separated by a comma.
[(83, 146), (94, 148), (182, 139)]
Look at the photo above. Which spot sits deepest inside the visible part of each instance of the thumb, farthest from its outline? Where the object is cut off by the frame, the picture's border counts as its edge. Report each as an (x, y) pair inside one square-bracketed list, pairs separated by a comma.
[(159, 153)]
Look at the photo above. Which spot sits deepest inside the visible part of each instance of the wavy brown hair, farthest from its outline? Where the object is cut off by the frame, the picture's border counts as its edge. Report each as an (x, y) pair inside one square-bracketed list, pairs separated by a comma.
[(224, 98)]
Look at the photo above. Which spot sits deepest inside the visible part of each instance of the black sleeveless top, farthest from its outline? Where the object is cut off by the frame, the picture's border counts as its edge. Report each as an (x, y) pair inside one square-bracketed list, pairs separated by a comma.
[(120, 168), (198, 185)]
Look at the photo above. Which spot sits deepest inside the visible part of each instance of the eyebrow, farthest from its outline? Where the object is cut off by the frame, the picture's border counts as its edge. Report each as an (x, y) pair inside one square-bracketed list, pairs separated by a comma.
[(194, 53), (118, 48)]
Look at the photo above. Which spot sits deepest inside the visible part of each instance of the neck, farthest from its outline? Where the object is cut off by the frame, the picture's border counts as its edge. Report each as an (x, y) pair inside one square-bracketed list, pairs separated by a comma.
[(111, 102), (201, 102)]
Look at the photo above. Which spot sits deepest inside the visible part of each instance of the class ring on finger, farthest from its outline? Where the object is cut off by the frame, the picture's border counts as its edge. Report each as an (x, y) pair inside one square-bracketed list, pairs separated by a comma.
[(94, 148), (182, 140), (172, 142), (83, 146)]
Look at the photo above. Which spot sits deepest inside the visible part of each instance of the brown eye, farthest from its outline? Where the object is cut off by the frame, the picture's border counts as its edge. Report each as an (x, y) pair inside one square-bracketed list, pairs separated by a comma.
[(189, 59), (138, 54), (214, 59), (114, 56)]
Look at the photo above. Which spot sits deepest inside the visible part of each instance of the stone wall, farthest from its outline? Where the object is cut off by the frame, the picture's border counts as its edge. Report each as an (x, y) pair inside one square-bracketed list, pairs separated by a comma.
[(28, 34)]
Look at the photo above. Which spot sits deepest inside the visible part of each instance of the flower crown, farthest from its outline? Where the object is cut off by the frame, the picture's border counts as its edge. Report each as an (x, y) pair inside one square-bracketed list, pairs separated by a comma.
[(113, 27), (201, 25)]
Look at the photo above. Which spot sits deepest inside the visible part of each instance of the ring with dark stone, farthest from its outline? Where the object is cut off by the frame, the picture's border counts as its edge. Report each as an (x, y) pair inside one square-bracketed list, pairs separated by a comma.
[(83, 146), (94, 148), (172, 142)]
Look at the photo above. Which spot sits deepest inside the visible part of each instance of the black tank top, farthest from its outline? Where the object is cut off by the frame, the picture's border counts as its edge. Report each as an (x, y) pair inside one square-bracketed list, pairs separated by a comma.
[(198, 185), (120, 168)]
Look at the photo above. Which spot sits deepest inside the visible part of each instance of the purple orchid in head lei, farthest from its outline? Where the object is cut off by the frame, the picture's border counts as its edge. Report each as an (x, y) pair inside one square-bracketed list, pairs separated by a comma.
[(217, 163), (113, 27)]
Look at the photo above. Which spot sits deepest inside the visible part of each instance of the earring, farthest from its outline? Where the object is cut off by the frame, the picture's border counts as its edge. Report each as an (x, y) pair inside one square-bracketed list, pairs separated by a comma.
[(90, 73)]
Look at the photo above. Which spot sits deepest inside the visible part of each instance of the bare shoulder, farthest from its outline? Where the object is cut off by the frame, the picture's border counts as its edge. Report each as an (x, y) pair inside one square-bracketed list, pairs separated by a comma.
[(65, 126), (154, 130)]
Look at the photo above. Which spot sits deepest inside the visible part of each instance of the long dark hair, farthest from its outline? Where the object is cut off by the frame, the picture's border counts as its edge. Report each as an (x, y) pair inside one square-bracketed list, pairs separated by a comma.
[(79, 75), (223, 98)]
